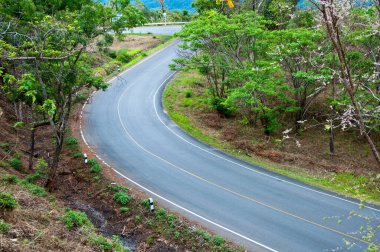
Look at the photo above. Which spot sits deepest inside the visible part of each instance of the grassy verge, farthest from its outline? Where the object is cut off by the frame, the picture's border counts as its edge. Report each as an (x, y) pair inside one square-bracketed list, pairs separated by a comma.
[(182, 99), (146, 54), (105, 68)]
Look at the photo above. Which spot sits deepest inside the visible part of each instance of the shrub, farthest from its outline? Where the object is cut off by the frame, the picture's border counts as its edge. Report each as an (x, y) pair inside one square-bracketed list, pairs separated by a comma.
[(7, 202), (218, 240), (160, 213), (124, 209), (218, 105), (95, 166), (71, 141), (4, 227), (122, 198), (108, 38), (10, 179), (112, 54), (74, 219), (15, 163), (42, 166), (123, 56)]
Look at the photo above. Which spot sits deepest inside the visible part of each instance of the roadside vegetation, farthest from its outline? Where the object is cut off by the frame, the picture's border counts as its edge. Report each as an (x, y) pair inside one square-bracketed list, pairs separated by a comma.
[(294, 90), (51, 58)]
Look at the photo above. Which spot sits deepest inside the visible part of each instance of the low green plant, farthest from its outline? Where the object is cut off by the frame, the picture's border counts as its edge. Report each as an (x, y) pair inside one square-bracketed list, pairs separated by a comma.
[(7, 202), (75, 219), (4, 227), (32, 177), (149, 222), (78, 155), (218, 240), (10, 179), (145, 203), (188, 93), (177, 234), (150, 240), (117, 188), (122, 198), (137, 219), (34, 189), (15, 163), (206, 236), (95, 166), (41, 171), (112, 54), (124, 209), (42, 167), (105, 244), (71, 141), (5, 146), (160, 213), (80, 98), (97, 178), (100, 241), (123, 56)]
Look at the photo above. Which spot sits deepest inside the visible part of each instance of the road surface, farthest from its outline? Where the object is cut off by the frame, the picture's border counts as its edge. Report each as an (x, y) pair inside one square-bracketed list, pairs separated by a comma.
[(261, 210)]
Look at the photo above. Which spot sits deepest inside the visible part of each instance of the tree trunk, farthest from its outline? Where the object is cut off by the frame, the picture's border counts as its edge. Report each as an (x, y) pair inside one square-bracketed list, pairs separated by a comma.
[(330, 19), (332, 145), (31, 152), (50, 183)]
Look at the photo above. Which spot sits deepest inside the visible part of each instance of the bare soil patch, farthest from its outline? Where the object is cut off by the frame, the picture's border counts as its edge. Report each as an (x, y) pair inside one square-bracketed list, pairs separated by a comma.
[(143, 42)]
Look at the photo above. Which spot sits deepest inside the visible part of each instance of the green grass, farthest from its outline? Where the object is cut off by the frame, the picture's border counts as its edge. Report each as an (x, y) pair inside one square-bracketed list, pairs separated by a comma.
[(146, 54), (140, 56), (174, 99), (34, 189)]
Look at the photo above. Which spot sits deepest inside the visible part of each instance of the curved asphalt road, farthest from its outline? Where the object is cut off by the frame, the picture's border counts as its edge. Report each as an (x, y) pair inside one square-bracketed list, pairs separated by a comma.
[(263, 211)]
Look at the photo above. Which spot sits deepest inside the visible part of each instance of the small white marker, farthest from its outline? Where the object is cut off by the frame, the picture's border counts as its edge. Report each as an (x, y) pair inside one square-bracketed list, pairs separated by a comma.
[(151, 205), (85, 158)]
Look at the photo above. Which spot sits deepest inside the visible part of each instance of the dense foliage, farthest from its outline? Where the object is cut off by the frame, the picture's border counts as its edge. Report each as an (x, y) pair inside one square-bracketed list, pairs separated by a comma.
[(283, 68), (42, 45)]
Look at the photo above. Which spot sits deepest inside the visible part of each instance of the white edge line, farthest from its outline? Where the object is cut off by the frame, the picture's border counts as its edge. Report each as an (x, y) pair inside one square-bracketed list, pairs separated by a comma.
[(228, 160), (195, 214), (146, 189), (243, 166)]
